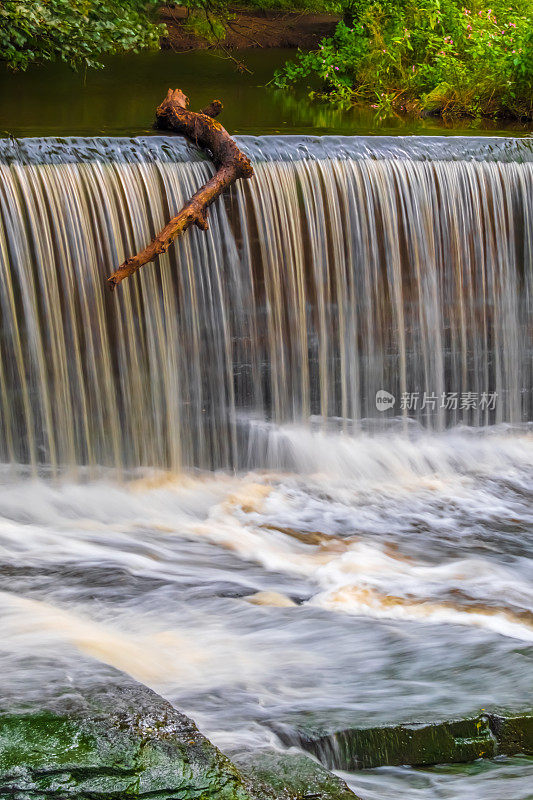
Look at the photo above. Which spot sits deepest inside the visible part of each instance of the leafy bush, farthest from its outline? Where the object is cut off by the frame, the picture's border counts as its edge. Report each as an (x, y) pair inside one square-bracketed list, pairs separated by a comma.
[(76, 31), (440, 56), (209, 26)]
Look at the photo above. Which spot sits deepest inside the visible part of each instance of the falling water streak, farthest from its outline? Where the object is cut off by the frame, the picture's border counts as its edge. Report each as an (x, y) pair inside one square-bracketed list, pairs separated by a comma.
[(321, 281)]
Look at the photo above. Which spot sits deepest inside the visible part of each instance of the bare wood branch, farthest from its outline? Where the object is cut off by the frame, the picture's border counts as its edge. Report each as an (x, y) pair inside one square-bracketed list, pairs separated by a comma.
[(213, 109), (201, 129)]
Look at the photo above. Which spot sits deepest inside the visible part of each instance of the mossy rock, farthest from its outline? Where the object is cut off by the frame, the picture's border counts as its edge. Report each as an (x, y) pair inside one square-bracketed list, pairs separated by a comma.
[(277, 775), (416, 744), (436, 101), (114, 744), (514, 733), (115, 739)]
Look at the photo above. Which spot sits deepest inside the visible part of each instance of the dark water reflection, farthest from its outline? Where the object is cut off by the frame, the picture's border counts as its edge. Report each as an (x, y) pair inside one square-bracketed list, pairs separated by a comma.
[(120, 100)]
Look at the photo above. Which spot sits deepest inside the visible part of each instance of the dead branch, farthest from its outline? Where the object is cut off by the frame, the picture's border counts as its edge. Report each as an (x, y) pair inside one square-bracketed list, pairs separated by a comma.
[(202, 130)]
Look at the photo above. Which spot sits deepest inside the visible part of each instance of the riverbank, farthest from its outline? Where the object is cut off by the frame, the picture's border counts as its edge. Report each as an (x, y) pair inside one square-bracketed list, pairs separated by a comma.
[(248, 29)]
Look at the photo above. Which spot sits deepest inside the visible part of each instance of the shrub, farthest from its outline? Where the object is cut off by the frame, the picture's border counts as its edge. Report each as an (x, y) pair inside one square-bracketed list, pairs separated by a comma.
[(438, 56)]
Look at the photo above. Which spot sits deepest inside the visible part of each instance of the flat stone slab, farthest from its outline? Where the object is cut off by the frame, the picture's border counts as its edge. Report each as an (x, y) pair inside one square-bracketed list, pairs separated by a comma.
[(514, 733), (424, 744)]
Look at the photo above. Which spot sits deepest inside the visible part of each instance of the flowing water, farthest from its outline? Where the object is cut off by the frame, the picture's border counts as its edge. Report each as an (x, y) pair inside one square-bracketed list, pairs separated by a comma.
[(285, 474)]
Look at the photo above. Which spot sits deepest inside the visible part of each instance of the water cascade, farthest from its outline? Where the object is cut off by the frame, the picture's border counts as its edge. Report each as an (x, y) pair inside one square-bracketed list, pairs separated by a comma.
[(347, 267), (282, 477)]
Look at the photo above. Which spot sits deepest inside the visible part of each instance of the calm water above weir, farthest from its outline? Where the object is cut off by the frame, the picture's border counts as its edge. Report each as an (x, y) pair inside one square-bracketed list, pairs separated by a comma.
[(285, 477), (120, 100)]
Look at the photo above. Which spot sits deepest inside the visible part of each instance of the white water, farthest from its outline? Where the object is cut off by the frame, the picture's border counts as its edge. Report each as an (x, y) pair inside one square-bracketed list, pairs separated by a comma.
[(409, 558), (358, 565), (500, 779), (321, 282)]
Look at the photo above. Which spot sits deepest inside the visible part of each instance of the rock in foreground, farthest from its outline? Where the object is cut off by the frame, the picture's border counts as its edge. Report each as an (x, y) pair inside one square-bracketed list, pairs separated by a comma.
[(290, 776), (119, 740), (118, 743)]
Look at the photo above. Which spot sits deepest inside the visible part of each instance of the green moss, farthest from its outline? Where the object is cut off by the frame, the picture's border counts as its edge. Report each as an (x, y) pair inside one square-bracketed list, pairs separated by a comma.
[(436, 101), (290, 776), (117, 756), (136, 746), (514, 733), (30, 739)]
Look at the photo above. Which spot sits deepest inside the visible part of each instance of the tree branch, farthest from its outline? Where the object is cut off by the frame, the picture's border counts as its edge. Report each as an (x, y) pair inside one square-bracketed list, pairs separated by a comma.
[(202, 130)]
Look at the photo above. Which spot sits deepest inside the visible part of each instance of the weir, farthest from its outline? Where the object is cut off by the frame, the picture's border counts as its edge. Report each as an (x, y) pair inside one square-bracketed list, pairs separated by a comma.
[(333, 385), (347, 266)]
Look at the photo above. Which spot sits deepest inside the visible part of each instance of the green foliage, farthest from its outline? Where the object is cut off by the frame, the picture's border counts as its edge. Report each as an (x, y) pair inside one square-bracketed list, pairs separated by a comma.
[(439, 56), (210, 26), (76, 31)]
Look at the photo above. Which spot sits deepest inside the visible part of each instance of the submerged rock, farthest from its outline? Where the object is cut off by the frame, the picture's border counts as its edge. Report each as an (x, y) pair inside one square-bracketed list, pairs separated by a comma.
[(270, 599), (277, 775), (424, 744)]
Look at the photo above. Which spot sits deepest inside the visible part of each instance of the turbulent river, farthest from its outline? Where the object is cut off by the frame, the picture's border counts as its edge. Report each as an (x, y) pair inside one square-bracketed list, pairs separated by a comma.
[(287, 473)]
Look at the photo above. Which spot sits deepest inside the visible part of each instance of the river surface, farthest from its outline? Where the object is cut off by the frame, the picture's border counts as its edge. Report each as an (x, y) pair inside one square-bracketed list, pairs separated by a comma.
[(284, 477), (121, 100), (386, 579)]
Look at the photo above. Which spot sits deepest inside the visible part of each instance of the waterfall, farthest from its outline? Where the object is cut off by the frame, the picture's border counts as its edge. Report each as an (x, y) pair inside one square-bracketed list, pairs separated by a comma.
[(348, 267)]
